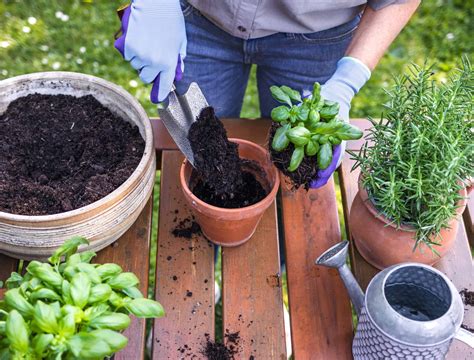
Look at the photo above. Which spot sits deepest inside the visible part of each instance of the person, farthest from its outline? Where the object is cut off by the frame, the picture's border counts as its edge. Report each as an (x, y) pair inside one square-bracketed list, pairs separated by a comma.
[(337, 43)]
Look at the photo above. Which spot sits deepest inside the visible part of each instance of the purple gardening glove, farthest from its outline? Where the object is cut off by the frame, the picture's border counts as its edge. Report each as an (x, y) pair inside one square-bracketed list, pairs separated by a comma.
[(351, 74), (154, 41)]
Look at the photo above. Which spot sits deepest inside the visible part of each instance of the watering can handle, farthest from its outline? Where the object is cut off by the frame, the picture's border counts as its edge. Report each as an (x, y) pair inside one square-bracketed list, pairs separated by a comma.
[(466, 337)]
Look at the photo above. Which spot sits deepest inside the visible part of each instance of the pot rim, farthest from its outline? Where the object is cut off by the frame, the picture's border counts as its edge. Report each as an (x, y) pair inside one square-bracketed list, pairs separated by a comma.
[(148, 152), (369, 204), (267, 199)]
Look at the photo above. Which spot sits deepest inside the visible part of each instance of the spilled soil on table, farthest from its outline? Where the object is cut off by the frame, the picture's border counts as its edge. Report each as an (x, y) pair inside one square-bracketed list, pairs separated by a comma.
[(221, 177), (59, 153)]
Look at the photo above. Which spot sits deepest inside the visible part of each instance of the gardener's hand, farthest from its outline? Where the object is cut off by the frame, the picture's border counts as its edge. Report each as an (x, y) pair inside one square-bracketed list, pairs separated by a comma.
[(154, 41), (351, 74)]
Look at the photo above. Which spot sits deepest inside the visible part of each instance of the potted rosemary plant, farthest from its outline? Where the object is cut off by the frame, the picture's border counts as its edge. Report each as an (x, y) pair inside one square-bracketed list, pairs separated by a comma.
[(414, 170)]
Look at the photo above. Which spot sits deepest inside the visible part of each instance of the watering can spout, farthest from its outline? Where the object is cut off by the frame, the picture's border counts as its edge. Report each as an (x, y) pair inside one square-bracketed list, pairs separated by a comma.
[(335, 257)]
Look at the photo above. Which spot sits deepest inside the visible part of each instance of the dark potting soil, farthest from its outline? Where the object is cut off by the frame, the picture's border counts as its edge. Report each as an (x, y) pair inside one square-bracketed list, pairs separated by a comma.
[(215, 157), (221, 177), (305, 172), (249, 193), (60, 153), (467, 297), (186, 229), (219, 351)]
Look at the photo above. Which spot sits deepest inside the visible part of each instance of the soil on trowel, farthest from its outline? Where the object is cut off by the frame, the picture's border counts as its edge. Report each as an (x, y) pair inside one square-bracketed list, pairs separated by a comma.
[(59, 153), (222, 179), (304, 174)]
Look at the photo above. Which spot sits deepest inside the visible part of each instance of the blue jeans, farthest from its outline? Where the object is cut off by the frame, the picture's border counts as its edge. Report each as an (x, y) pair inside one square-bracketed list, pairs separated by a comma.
[(220, 63)]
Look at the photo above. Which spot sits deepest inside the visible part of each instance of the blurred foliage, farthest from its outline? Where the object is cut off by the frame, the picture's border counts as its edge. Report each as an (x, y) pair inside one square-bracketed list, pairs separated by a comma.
[(74, 35)]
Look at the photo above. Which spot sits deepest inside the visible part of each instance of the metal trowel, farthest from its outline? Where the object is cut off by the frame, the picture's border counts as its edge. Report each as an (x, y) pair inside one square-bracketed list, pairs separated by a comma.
[(178, 115)]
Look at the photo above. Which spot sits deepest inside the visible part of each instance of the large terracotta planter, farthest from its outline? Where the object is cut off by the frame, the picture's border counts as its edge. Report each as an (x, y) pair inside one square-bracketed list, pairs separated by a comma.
[(233, 227), (382, 244)]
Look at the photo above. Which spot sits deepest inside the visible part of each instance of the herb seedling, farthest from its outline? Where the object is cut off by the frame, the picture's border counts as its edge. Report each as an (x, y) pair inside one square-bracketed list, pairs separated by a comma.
[(310, 124), (71, 309), (421, 151)]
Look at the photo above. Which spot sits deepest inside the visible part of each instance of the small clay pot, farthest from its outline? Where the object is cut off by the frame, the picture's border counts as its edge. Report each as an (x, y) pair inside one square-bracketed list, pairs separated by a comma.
[(382, 244), (233, 227)]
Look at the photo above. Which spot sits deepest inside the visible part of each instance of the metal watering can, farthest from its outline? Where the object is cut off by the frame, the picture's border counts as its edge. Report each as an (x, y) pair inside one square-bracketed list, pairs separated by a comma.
[(409, 311)]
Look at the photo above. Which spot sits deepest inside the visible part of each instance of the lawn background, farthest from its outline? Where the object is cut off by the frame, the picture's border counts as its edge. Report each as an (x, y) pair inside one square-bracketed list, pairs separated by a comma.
[(45, 35)]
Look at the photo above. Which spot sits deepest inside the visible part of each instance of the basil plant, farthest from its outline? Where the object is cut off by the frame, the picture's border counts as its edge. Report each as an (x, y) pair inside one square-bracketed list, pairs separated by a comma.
[(310, 124), (70, 309)]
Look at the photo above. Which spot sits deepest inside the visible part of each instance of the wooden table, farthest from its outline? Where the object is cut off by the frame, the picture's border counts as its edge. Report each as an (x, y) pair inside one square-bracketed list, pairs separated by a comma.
[(307, 223)]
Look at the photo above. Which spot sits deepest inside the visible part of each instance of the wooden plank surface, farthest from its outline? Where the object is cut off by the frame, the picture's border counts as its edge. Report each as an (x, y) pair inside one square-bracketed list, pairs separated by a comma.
[(252, 295), (457, 264), (255, 130), (131, 252), (7, 265), (321, 320), (184, 275)]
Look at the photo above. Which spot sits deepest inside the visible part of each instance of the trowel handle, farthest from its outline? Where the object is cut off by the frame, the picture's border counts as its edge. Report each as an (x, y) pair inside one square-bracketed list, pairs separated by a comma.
[(465, 336)]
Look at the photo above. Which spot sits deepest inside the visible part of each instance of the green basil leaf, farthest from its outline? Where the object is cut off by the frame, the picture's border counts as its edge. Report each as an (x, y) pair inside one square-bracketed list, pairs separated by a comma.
[(316, 94), (299, 135), (115, 340), (294, 95), (2, 327), (145, 308), (85, 268), (107, 271), (89, 346), (329, 110), (322, 128), (112, 321), (40, 344), (123, 281), (133, 292), (45, 317), (280, 141), (77, 313), (68, 248), (99, 293), (66, 292), (67, 325), (14, 280), (15, 300), (334, 140), (117, 301), (46, 274), (349, 132), (94, 311), (44, 294), (303, 113), (80, 289), (296, 158), (17, 332), (280, 113), (312, 148), (279, 95), (324, 156), (87, 256)]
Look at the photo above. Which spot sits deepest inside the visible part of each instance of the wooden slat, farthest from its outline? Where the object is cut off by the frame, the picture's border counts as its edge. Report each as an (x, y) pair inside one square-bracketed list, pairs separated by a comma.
[(321, 321), (131, 252), (252, 296), (255, 130), (183, 267), (457, 264), (7, 265)]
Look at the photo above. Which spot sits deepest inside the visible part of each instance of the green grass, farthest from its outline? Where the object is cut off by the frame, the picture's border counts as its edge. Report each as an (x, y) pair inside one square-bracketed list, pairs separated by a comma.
[(73, 35)]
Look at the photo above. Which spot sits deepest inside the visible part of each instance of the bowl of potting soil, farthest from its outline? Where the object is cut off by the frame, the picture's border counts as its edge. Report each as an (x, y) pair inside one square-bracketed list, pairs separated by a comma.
[(77, 158), (233, 183)]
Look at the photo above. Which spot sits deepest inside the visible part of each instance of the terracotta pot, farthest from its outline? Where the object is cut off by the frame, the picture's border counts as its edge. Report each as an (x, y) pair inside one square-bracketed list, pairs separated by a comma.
[(233, 227), (382, 244)]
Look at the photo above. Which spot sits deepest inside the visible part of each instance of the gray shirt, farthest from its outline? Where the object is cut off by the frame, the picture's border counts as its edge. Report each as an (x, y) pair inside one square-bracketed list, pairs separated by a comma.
[(250, 19)]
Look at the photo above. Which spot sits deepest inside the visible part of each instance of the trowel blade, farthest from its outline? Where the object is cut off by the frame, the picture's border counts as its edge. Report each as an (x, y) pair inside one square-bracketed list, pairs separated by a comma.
[(179, 115)]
